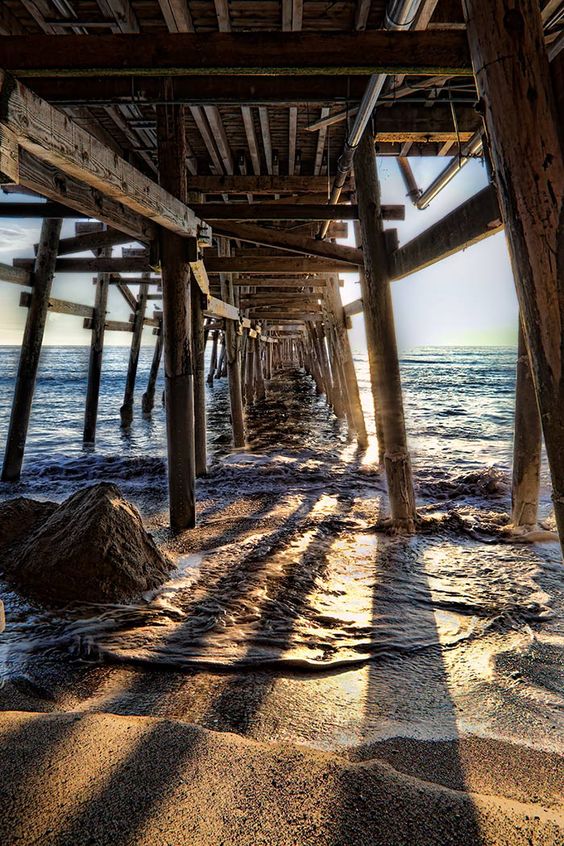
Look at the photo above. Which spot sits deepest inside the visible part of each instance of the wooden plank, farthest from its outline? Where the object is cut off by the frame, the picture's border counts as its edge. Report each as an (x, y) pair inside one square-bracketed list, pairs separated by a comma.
[(278, 265), (284, 240), (177, 15), (249, 124), (110, 325), (51, 182), (60, 306), (15, 275), (55, 139), (200, 275), (218, 308), (426, 53), (259, 184), (471, 222), (92, 241), (266, 139), (353, 308), (287, 211), (292, 138)]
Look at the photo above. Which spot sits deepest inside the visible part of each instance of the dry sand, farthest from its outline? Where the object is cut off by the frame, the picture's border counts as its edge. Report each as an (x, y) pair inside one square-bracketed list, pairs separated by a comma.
[(105, 779)]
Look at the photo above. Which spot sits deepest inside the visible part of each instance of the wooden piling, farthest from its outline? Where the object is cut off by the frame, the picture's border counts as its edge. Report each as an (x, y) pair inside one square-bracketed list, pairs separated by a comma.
[(179, 379), (44, 270), (148, 399), (527, 444), (250, 373), (356, 412), (96, 353), (126, 410), (213, 357), (233, 354), (219, 371), (259, 373), (511, 67), (372, 361), (381, 337), (198, 348)]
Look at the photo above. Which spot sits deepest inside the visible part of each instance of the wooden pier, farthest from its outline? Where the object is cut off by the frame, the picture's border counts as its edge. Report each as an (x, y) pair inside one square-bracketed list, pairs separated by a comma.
[(214, 155)]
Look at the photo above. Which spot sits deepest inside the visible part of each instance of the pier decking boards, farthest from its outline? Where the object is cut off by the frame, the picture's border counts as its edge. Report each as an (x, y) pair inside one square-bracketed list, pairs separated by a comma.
[(201, 142)]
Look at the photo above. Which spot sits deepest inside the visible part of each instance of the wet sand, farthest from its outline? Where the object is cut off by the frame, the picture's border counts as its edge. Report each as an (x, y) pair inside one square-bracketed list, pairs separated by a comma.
[(101, 779)]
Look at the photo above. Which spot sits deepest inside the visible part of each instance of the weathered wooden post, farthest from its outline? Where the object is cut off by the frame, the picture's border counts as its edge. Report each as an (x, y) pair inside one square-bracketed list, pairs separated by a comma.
[(259, 374), (357, 414), (44, 271), (213, 357), (198, 349), (250, 372), (527, 444), (381, 336), (148, 399), (372, 361), (221, 359), (96, 353), (511, 67), (126, 411), (232, 353), (179, 379)]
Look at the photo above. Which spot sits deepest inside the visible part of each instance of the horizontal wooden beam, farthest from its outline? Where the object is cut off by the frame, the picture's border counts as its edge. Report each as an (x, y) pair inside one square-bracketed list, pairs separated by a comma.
[(469, 223), (284, 240), (92, 241), (259, 184), (426, 53), (278, 265), (356, 307), (61, 306), (55, 139), (218, 308), (49, 181), (15, 275), (287, 211), (112, 325)]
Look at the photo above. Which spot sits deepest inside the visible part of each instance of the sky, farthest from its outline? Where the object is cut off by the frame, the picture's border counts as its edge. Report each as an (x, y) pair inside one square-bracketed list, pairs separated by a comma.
[(468, 299)]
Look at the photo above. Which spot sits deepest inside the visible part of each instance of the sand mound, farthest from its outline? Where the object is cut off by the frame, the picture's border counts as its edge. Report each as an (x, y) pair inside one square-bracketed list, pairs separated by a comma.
[(19, 517), (72, 780), (91, 548)]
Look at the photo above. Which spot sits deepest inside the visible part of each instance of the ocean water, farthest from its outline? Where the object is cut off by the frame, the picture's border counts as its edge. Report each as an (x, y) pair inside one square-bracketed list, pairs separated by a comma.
[(285, 570)]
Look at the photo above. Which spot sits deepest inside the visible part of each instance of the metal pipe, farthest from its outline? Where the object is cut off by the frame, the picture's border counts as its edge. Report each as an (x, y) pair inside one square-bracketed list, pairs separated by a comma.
[(472, 148), (400, 14)]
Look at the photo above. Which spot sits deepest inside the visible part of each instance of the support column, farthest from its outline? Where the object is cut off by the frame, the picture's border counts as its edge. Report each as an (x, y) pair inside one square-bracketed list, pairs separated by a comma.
[(31, 348), (259, 374), (126, 411), (148, 400), (179, 379), (527, 444), (372, 362), (381, 336), (96, 353), (198, 347), (348, 363), (250, 372), (511, 67), (221, 359), (213, 357), (233, 354)]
